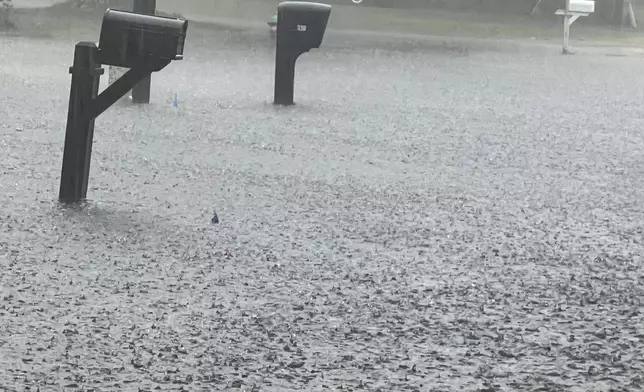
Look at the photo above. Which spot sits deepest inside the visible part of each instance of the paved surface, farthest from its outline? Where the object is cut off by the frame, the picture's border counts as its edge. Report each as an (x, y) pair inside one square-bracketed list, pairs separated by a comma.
[(439, 217)]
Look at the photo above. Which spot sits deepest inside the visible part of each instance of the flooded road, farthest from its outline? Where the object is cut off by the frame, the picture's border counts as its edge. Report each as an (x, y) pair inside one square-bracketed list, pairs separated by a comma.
[(427, 217)]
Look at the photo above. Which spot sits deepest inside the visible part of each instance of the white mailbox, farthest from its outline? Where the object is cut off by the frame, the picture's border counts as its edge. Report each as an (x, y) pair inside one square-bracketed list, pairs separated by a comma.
[(582, 6), (576, 9)]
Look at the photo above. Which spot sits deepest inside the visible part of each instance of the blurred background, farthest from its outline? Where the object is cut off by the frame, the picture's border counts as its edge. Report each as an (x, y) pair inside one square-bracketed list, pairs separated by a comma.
[(615, 19)]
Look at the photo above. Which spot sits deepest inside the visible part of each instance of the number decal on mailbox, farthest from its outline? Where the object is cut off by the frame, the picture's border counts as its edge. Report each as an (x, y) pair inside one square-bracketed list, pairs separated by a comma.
[(301, 27)]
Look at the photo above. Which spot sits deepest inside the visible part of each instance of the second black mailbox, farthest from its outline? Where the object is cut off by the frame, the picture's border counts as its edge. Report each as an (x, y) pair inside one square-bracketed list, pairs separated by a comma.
[(301, 25), (134, 40)]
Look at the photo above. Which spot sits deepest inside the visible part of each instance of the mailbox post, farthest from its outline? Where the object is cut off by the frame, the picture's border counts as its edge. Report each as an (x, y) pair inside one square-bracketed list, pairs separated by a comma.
[(141, 92), (142, 43), (300, 27), (114, 73), (86, 73)]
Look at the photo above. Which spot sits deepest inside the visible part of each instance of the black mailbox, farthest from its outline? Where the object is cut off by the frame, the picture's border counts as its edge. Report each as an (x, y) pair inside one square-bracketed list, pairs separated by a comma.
[(133, 40), (141, 42), (301, 25)]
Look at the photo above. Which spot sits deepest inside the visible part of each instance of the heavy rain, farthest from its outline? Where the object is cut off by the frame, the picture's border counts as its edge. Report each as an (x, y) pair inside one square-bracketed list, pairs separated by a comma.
[(453, 203)]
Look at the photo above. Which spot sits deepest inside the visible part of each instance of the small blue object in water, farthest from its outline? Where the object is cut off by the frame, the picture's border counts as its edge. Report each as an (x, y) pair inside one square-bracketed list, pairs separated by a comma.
[(175, 103)]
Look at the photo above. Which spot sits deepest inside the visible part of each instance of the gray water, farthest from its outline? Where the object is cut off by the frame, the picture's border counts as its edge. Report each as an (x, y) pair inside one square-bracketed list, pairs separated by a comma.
[(430, 216)]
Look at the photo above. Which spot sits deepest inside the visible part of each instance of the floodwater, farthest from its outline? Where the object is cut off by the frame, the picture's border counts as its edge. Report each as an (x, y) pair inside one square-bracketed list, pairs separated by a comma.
[(428, 217)]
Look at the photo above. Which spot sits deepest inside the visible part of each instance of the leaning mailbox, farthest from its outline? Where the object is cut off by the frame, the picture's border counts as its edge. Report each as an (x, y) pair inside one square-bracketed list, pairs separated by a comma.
[(300, 28), (142, 43), (131, 40)]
